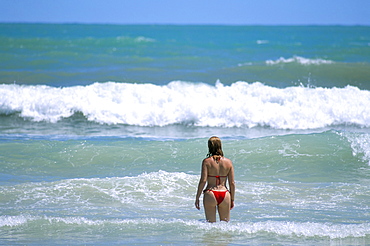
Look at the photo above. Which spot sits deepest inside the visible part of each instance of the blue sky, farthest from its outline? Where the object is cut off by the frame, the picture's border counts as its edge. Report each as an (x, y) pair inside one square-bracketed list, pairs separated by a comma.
[(228, 12)]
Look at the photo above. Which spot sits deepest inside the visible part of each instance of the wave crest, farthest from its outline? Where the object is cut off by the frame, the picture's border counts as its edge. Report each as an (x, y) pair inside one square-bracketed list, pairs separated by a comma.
[(299, 60), (239, 105)]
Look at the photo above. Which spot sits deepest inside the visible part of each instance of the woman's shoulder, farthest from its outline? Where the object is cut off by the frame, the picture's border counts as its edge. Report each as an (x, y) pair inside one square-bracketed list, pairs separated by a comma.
[(211, 158), (226, 159), (207, 160)]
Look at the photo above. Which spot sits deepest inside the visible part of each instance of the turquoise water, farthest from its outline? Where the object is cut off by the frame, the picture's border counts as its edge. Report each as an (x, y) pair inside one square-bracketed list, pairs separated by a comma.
[(65, 55), (103, 129)]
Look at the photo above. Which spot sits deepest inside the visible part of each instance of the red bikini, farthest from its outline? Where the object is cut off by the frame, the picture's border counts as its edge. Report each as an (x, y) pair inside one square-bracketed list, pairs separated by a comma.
[(219, 194), (218, 179)]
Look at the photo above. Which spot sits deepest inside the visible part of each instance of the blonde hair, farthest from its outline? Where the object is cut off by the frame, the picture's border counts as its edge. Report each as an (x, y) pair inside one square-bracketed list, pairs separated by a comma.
[(214, 147)]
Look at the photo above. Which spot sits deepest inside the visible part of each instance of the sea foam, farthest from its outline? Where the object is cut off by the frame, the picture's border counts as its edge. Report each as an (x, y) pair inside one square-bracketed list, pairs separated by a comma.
[(360, 144), (279, 228), (299, 60), (241, 104)]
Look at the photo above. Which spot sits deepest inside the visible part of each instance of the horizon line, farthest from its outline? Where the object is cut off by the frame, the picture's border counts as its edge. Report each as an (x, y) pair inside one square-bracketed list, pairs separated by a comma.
[(176, 24)]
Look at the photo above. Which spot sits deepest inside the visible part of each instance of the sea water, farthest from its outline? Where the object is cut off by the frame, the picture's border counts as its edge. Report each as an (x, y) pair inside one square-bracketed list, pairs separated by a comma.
[(103, 129)]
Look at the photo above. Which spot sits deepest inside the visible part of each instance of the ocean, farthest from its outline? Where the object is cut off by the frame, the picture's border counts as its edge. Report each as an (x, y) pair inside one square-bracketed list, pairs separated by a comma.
[(103, 129)]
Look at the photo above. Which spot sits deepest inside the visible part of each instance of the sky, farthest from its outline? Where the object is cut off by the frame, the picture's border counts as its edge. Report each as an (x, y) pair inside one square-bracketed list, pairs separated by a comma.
[(224, 12)]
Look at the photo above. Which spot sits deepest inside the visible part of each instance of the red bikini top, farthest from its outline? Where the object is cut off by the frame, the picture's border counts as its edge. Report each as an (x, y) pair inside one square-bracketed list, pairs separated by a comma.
[(218, 178)]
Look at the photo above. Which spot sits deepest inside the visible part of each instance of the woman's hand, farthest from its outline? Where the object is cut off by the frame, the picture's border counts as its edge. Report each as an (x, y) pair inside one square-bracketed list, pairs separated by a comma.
[(197, 204), (232, 204)]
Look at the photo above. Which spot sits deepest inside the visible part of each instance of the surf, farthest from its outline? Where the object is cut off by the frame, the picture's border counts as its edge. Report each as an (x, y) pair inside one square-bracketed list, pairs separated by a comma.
[(241, 104)]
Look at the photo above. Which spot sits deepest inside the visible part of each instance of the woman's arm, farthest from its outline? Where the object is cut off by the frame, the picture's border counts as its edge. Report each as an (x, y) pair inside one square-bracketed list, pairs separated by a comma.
[(231, 180), (202, 183)]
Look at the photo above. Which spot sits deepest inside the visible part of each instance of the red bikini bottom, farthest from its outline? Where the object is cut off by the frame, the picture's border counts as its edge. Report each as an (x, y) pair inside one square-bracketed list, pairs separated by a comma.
[(219, 195)]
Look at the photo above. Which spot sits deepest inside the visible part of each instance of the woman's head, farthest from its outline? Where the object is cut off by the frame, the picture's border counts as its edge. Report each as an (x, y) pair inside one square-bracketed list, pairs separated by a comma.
[(214, 147)]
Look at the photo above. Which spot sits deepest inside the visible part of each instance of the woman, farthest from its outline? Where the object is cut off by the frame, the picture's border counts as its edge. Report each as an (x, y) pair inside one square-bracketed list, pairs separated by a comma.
[(216, 169)]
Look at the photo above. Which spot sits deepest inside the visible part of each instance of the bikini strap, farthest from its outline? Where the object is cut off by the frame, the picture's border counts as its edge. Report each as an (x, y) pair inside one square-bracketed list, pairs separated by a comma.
[(218, 178)]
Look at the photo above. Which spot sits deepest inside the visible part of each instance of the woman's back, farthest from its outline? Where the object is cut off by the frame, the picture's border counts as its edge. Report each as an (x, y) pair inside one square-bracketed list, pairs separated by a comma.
[(218, 169)]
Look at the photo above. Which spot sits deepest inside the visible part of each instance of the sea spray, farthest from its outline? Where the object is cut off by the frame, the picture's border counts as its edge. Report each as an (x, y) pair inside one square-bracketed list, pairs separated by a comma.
[(240, 104)]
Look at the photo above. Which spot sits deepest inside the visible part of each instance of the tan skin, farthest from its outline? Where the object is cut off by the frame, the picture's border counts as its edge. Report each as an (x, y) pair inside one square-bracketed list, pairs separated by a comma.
[(216, 165)]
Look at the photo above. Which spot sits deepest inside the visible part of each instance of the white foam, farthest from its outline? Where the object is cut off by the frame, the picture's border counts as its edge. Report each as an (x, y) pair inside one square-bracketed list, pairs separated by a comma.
[(162, 187), (279, 228), (139, 39), (305, 229), (262, 41), (239, 105), (299, 60), (360, 144), (11, 221)]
